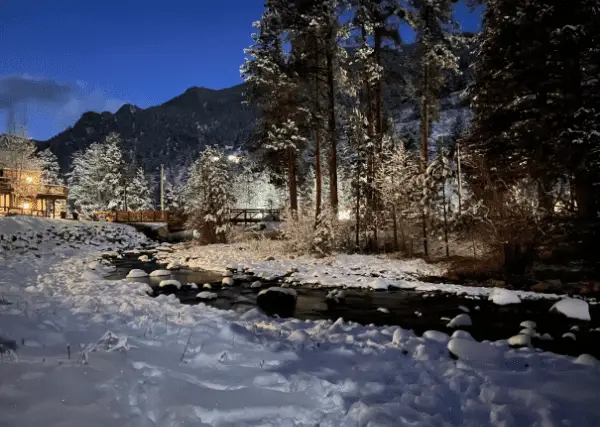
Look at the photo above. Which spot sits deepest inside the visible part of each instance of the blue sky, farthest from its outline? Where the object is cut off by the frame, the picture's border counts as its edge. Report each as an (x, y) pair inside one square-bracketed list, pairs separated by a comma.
[(113, 52)]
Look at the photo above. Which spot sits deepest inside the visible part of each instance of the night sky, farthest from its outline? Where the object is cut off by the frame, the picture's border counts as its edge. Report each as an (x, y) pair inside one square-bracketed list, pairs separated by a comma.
[(100, 55)]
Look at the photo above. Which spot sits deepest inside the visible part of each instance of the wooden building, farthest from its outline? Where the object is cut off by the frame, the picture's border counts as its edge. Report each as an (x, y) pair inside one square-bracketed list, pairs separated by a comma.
[(22, 192)]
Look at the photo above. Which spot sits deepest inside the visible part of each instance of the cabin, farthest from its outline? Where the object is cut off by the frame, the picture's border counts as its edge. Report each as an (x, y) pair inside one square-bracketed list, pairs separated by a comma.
[(23, 192)]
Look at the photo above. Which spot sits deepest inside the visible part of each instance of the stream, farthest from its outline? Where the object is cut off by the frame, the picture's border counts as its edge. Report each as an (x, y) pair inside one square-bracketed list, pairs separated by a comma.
[(409, 309)]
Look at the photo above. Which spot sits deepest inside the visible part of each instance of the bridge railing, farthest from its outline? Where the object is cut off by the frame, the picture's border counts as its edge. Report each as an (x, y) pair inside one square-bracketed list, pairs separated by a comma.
[(133, 216)]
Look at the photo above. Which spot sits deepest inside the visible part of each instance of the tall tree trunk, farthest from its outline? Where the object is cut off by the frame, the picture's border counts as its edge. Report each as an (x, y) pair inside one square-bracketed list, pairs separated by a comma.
[(458, 165), (370, 195), (395, 224), (333, 183), (425, 149), (358, 206), (445, 219), (318, 177), (292, 184)]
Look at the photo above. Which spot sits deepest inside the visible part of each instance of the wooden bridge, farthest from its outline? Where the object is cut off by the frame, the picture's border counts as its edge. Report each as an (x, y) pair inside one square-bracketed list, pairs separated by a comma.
[(236, 216), (250, 216)]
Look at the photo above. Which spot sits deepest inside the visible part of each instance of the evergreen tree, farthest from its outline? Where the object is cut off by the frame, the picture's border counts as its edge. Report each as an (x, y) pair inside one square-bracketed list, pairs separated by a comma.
[(96, 181), (139, 192), (50, 168), (209, 196), (535, 104), (273, 89), (435, 29)]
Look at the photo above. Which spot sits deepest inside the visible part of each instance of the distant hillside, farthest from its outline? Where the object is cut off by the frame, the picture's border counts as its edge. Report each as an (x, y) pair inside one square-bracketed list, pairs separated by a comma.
[(174, 132), (170, 133)]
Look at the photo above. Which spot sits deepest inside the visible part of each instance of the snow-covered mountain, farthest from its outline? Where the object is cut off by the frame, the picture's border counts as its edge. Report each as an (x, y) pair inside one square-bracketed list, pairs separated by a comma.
[(170, 133), (173, 133)]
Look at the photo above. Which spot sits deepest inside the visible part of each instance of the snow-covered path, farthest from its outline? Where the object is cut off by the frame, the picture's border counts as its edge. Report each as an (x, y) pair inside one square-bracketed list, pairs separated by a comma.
[(166, 364)]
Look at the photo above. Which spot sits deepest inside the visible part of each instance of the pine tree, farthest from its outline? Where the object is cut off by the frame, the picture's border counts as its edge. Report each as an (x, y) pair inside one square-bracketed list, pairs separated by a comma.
[(440, 174), (209, 196), (96, 180), (50, 168), (535, 104), (273, 89), (139, 192), (435, 29)]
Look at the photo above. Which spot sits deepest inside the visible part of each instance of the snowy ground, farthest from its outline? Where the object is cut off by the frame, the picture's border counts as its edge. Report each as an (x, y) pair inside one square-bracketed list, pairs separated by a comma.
[(268, 259), (99, 353)]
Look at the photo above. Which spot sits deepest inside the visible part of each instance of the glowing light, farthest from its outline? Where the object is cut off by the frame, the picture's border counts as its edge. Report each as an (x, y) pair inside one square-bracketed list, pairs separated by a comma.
[(214, 158), (29, 180), (344, 215), (233, 159), (26, 205)]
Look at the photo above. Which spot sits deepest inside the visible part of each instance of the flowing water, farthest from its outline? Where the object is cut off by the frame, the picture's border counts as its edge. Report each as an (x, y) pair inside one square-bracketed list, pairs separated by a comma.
[(409, 309)]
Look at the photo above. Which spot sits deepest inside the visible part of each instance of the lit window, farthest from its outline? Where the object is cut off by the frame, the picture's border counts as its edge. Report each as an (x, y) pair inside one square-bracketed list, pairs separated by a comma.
[(29, 180)]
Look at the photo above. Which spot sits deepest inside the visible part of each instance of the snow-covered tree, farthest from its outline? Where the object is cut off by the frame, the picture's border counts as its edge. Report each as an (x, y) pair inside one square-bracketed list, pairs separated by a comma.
[(209, 196), (440, 174), (139, 192), (50, 168), (96, 180), (397, 180)]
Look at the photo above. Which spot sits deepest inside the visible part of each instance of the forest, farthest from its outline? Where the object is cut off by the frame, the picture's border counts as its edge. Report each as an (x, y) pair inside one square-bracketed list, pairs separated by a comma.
[(520, 180)]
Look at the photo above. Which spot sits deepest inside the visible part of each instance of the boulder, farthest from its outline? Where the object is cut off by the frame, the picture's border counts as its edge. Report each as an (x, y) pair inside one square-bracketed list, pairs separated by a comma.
[(277, 301)]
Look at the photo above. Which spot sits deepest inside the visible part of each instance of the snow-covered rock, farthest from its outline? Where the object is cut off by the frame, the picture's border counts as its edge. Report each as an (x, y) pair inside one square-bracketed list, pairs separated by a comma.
[(227, 281), (546, 337), (164, 284), (207, 286), (572, 308), (587, 359), (173, 265), (136, 273), (228, 273), (464, 309), (337, 296), (279, 301), (460, 320), (501, 296), (255, 285), (144, 258), (378, 284), (160, 273), (383, 310), (192, 285), (569, 335), (528, 324), (529, 332), (520, 340), (207, 295)]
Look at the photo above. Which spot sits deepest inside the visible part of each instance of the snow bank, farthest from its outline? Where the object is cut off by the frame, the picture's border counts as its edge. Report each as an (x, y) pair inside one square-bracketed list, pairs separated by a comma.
[(573, 308), (376, 272), (82, 348)]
